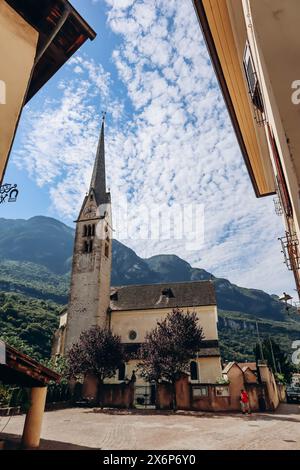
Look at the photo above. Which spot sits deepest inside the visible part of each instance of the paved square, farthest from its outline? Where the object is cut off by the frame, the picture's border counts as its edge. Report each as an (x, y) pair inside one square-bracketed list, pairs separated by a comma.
[(83, 428)]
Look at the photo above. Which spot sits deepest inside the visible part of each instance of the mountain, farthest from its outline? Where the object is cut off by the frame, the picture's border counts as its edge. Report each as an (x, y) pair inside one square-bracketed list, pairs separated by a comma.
[(40, 240), (35, 261)]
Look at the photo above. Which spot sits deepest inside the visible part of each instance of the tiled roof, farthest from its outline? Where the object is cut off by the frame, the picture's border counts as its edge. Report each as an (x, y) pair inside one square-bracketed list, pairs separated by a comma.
[(179, 294)]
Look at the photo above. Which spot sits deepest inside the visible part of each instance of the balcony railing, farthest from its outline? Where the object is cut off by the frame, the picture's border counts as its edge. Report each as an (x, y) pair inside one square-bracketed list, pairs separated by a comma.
[(290, 244)]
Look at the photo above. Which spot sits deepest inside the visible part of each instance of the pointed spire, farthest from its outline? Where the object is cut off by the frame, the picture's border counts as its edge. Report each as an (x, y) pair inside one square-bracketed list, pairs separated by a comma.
[(98, 181)]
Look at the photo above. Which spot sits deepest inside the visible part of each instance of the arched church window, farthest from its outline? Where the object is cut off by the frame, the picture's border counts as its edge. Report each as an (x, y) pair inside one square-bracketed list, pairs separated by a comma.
[(89, 231), (84, 230), (86, 247), (121, 372), (194, 370)]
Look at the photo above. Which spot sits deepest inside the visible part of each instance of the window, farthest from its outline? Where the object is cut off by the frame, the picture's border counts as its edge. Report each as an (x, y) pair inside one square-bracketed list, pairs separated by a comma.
[(89, 231), (88, 246), (93, 230), (199, 392), (106, 250), (84, 231), (121, 372), (251, 76), (167, 292), (222, 391), (132, 335), (114, 296), (194, 370)]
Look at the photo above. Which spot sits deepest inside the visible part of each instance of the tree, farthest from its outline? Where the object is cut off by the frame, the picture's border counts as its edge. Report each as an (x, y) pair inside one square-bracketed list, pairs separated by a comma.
[(58, 365), (277, 359), (169, 347), (98, 352)]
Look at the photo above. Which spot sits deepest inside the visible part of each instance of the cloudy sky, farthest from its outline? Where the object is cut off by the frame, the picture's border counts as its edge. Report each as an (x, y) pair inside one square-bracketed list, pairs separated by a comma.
[(170, 149)]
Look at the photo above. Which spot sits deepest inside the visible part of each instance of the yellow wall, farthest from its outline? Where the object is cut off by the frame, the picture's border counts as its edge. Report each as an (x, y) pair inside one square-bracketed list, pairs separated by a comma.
[(209, 370), (18, 42), (142, 321)]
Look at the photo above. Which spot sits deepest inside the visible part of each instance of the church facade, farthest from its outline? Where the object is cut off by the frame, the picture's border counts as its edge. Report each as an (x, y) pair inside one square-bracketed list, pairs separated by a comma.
[(129, 311)]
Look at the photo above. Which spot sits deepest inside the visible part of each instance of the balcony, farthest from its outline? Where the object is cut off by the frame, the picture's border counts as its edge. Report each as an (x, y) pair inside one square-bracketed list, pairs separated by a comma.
[(290, 251)]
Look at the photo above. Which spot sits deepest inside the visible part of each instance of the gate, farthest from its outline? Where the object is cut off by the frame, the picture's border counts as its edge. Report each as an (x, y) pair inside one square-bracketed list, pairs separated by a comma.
[(144, 396)]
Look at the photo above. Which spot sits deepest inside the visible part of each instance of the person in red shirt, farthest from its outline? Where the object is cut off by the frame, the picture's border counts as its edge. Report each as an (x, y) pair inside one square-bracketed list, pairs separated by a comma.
[(244, 400)]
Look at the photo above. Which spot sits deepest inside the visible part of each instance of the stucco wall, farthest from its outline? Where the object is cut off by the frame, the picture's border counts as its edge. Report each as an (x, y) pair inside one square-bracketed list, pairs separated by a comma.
[(142, 321), (209, 368), (18, 42)]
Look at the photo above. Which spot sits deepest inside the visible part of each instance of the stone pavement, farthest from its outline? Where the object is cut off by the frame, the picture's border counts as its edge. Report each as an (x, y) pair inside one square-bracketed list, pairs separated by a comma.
[(79, 428)]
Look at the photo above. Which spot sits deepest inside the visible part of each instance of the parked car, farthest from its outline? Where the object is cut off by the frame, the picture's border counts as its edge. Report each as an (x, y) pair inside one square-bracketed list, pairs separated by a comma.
[(293, 394)]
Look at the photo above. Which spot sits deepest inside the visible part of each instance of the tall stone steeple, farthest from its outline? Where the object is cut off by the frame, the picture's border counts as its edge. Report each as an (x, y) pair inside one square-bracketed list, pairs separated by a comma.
[(98, 180), (91, 268)]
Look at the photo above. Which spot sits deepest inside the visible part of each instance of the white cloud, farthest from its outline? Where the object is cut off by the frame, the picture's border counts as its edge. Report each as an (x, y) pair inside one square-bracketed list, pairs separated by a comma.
[(178, 146)]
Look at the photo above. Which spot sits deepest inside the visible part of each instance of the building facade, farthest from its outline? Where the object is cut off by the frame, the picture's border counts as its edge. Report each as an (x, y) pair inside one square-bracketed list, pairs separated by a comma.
[(36, 39), (129, 311), (136, 310), (254, 47)]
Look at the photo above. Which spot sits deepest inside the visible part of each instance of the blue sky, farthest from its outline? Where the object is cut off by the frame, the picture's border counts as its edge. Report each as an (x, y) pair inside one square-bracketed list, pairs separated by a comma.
[(169, 142)]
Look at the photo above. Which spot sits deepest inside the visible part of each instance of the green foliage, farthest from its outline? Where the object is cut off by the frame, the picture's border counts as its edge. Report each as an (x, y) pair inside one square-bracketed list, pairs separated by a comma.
[(58, 365), (34, 280), (5, 394), (238, 335), (277, 359), (28, 324), (280, 378)]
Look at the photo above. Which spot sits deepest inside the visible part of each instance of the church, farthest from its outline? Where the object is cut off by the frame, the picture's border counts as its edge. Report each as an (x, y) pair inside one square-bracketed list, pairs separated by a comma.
[(130, 311)]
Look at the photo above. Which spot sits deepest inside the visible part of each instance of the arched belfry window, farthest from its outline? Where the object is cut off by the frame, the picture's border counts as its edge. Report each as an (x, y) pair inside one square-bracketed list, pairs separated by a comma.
[(121, 372), (194, 370)]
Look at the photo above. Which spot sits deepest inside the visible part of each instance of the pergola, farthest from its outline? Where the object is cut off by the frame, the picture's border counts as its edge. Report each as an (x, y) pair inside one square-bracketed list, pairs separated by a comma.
[(19, 369)]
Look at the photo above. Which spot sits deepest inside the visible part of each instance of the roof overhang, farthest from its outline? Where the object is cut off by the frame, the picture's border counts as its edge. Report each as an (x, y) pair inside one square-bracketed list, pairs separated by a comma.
[(17, 368), (62, 31), (214, 19)]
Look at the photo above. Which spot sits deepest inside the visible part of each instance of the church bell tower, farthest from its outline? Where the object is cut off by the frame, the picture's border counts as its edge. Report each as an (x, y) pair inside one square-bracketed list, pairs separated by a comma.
[(91, 268)]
